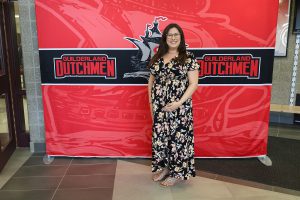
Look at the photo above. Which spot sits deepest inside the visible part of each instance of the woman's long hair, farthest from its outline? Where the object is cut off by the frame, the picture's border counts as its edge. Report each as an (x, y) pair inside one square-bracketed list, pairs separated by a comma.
[(163, 46)]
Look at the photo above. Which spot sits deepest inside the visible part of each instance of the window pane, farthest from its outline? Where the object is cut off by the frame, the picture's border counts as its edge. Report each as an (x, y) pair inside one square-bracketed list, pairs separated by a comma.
[(26, 114), (4, 132), (2, 71), (20, 53)]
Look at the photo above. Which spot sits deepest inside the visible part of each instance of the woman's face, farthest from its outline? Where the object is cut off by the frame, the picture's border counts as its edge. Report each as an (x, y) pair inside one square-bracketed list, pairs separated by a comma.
[(173, 38)]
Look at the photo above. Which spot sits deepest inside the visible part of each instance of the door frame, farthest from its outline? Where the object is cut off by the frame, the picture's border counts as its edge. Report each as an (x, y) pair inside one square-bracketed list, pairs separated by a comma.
[(6, 153), (22, 137), (10, 83)]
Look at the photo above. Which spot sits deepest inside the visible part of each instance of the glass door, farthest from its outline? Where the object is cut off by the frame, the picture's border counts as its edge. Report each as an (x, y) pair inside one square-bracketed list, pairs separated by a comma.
[(7, 138), (17, 76)]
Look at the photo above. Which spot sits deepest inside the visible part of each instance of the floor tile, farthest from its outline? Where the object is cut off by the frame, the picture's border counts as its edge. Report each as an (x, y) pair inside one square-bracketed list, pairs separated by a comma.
[(266, 198), (38, 160), (26, 195), (201, 188), (125, 167), (143, 161), (283, 172), (133, 181), (84, 194), (287, 191), (244, 192), (14, 163), (45, 170), (104, 169), (139, 177), (87, 181), (206, 174), (142, 185), (83, 161), (244, 182), (94, 178), (32, 183)]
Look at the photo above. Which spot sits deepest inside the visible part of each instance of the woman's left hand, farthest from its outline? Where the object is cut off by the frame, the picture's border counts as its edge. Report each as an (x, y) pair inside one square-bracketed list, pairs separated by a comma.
[(171, 106)]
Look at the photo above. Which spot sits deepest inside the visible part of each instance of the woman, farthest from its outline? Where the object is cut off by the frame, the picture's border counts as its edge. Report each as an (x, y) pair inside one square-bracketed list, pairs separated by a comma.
[(173, 80)]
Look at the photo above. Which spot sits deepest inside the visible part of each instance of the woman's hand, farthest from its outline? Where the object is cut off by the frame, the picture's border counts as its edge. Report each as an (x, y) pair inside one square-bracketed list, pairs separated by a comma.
[(172, 106)]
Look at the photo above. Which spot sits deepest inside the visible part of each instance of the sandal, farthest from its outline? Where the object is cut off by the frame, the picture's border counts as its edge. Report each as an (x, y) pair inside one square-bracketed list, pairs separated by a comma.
[(160, 175), (170, 181)]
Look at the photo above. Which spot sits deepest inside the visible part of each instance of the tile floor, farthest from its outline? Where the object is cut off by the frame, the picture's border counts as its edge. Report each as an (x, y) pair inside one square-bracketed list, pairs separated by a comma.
[(122, 179), (117, 179)]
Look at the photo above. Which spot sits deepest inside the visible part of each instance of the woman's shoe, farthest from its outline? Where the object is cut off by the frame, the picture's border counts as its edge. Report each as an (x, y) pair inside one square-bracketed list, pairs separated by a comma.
[(170, 181), (160, 175)]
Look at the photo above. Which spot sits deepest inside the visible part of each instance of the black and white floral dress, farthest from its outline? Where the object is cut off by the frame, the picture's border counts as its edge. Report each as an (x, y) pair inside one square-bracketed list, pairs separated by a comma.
[(172, 138)]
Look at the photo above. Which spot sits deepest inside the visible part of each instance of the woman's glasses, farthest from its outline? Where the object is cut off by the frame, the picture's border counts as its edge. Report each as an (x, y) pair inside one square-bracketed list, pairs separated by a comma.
[(176, 35)]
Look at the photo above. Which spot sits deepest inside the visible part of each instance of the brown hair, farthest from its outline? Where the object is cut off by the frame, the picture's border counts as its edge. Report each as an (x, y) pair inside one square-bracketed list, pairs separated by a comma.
[(163, 46)]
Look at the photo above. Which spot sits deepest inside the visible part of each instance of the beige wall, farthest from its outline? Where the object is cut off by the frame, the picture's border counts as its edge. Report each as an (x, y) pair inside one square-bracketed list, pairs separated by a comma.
[(32, 74), (282, 70)]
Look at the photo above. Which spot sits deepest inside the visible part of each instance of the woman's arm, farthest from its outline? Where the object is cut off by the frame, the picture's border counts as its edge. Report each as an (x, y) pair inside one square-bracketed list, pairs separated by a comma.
[(193, 85), (150, 84)]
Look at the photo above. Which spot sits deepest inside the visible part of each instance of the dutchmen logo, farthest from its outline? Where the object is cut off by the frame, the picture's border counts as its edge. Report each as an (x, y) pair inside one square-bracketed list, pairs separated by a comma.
[(147, 48), (229, 65), (85, 66)]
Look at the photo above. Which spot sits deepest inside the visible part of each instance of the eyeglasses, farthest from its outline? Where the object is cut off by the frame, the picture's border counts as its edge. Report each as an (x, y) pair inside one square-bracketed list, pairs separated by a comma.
[(176, 35)]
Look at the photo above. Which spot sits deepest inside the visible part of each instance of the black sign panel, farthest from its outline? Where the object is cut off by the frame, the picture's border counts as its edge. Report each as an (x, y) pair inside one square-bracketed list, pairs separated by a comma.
[(124, 66)]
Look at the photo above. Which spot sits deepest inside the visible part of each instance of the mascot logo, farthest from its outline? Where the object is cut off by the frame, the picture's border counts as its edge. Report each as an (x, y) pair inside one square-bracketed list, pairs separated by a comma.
[(147, 47)]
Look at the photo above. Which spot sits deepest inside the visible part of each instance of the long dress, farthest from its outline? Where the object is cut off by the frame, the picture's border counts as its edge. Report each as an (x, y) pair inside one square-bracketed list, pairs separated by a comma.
[(172, 132)]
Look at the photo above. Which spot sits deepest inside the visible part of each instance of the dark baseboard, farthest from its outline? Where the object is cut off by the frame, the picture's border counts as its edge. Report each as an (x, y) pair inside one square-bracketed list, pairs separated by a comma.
[(281, 118), (37, 147)]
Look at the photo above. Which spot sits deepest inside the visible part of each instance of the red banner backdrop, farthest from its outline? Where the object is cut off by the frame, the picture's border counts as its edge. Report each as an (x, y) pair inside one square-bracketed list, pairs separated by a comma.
[(93, 56)]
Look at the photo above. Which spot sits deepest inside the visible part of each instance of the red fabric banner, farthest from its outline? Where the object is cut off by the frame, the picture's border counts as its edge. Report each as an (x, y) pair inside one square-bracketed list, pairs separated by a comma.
[(90, 112)]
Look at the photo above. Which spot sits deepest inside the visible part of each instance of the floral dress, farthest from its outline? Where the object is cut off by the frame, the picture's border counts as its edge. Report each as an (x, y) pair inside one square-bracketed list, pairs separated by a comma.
[(172, 138)]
